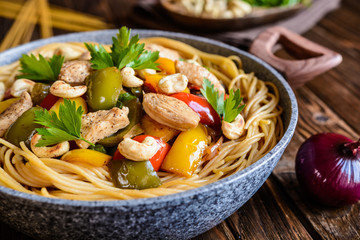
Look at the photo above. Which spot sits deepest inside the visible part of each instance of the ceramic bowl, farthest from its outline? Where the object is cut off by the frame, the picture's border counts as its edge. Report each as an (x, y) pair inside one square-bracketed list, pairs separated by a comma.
[(178, 216)]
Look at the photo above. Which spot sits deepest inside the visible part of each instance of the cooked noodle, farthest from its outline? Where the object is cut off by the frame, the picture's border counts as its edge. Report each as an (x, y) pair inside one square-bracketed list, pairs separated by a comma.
[(24, 171)]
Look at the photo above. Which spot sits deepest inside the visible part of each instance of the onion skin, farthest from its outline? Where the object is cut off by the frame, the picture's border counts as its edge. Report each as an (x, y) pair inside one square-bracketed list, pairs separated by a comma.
[(328, 169)]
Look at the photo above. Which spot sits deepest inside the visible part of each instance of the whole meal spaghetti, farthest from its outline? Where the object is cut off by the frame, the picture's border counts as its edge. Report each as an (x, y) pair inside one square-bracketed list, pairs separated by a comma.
[(136, 119)]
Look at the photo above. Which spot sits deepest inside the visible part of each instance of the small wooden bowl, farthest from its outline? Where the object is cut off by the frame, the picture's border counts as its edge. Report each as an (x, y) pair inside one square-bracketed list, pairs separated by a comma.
[(259, 16)]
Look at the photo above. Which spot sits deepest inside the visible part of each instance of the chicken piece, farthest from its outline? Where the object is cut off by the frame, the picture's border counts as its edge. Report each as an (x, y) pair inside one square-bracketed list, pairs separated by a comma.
[(170, 111), (196, 74), (103, 123), (75, 72), (12, 113), (163, 51)]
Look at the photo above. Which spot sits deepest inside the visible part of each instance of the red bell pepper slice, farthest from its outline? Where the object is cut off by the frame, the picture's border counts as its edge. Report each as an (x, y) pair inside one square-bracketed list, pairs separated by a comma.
[(201, 106), (117, 155), (159, 156), (49, 101)]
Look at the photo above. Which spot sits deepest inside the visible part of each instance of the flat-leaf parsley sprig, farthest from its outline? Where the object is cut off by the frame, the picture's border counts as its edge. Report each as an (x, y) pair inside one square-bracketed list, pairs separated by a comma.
[(227, 109), (40, 69), (124, 52), (66, 127)]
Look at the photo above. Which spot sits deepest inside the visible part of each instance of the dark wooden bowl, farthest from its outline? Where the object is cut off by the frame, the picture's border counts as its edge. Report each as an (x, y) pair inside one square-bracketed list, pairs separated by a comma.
[(259, 16)]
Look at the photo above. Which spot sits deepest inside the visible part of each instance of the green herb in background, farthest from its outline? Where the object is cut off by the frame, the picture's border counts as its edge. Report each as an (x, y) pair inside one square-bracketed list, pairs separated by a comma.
[(272, 3)]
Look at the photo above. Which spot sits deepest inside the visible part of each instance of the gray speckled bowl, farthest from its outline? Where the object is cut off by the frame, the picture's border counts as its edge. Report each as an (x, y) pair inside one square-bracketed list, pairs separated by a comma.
[(178, 216)]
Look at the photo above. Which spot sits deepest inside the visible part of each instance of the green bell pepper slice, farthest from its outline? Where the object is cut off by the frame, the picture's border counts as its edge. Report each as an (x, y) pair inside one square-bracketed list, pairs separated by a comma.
[(130, 174), (39, 92), (104, 88), (23, 128)]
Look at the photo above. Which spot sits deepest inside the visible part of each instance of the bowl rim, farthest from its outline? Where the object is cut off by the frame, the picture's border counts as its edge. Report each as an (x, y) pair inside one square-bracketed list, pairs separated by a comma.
[(5, 58)]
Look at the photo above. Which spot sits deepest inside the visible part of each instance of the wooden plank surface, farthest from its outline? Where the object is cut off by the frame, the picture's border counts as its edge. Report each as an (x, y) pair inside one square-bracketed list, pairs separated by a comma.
[(329, 103)]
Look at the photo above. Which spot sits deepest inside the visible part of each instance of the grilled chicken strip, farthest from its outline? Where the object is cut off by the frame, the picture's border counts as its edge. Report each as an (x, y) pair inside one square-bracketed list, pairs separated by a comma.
[(75, 72), (170, 111), (196, 74), (163, 51), (103, 123), (12, 113)]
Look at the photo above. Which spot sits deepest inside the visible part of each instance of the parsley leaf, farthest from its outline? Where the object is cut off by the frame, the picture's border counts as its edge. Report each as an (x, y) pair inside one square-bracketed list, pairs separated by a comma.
[(212, 96), (40, 69), (100, 58), (229, 108), (125, 51), (232, 106), (146, 60), (66, 127)]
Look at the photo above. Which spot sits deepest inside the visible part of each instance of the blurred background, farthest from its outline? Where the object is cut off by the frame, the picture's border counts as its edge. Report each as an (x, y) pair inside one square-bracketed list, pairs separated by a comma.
[(235, 22)]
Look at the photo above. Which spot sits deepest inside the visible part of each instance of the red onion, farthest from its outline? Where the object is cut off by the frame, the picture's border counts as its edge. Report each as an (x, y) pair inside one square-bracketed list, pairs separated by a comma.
[(328, 168)]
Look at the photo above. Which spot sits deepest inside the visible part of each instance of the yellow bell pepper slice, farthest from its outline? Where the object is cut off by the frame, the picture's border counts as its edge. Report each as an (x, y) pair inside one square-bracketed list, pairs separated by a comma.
[(186, 90), (166, 65), (92, 157), (186, 152), (152, 81), (5, 104), (155, 129), (79, 101)]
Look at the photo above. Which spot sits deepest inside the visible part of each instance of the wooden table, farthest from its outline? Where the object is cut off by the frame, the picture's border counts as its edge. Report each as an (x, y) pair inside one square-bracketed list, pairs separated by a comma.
[(329, 103)]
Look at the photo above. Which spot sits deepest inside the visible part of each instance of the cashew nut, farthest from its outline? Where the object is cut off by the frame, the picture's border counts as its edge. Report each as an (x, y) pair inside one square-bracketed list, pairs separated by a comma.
[(137, 151), (129, 79), (173, 83), (234, 129), (227, 14), (65, 90), (143, 72), (2, 91), (20, 86), (50, 152), (240, 8)]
